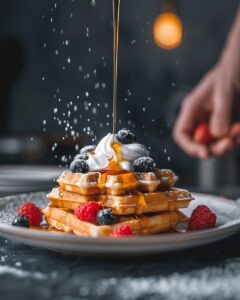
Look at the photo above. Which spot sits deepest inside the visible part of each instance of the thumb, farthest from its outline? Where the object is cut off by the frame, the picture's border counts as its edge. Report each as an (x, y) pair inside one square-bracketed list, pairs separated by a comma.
[(221, 116)]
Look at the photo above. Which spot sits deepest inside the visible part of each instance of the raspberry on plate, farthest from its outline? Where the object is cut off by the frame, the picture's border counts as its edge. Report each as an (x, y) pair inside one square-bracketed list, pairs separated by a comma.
[(32, 212), (122, 231), (202, 218), (88, 211)]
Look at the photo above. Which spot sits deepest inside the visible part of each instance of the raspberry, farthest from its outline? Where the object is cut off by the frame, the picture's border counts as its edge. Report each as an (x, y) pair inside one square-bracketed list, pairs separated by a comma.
[(122, 231), (32, 212), (202, 134), (202, 218), (88, 211)]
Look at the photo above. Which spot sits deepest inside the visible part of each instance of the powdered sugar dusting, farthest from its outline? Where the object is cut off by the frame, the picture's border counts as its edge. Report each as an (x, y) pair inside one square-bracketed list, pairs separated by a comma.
[(207, 283), (8, 270), (9, 205)]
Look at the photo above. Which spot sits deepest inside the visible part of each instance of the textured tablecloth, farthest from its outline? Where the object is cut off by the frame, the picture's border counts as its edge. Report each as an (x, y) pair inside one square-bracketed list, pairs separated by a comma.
[(211, 272)]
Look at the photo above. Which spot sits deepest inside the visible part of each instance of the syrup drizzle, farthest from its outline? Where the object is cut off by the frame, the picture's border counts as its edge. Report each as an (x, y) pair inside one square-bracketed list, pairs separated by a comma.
[(116, 11)]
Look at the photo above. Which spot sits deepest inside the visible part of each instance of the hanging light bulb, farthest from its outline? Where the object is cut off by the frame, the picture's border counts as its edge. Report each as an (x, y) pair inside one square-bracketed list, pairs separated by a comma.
[(167, 29)]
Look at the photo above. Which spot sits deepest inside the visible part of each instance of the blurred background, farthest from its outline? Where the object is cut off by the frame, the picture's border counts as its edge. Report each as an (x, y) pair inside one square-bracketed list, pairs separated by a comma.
[(56, 65)]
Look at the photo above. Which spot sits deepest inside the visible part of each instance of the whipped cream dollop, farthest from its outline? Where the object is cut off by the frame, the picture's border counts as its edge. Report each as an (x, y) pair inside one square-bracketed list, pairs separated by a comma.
[(105, 152)]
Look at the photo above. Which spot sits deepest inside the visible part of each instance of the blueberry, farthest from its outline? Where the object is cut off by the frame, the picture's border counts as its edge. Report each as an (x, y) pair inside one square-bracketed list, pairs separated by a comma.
[(88, 149), (144, 164), (105, 217), (79, 166), (83, 156), (125, 136), (20, 221)]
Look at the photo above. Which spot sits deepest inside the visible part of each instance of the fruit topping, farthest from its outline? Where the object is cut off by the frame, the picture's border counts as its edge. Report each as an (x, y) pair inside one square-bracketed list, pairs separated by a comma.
[(202, 134), (83, 156), (31, 212), (88, 212), (144, 164), (79, 166), (105, 217), (125, 136), (21, 221), (88, 149), (202, 218), (122, 231)]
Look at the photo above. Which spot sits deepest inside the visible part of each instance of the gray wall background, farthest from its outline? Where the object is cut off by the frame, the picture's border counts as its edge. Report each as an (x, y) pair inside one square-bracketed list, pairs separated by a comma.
[(151, 79)]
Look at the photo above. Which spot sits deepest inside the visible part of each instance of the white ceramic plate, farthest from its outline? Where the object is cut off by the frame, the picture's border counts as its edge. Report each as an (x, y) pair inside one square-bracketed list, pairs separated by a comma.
[(228, 215), (28, 174)]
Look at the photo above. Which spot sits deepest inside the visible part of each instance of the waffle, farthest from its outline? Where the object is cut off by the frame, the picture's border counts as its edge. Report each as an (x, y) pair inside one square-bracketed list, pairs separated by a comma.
[(93, 183), (131, 203), (144, 225), (82, 183), (167, 179), (147, 182), (142, 203), (119, 184), (65, 199), (146, 201)]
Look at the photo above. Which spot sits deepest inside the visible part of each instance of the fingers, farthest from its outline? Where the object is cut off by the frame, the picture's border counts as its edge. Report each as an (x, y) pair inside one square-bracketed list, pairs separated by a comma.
[(221, 116), (222, 146), (235, 132), (192, 148), (192, 112), (227, 143)]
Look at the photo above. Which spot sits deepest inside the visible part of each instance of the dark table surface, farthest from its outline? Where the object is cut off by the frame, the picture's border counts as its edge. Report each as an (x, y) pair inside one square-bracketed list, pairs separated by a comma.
[(209, 272)]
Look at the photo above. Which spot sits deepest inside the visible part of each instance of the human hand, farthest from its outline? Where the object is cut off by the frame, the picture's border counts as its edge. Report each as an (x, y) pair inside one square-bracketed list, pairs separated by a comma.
[(214, 102)]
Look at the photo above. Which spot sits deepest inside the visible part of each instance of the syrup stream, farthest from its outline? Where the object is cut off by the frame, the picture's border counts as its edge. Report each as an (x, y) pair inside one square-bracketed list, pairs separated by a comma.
[(116, 11)]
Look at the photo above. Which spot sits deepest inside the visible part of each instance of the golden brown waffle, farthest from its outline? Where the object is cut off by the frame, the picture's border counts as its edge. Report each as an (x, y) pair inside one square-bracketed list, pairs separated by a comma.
[(131, 203), (141, 203), (145, 225), (147, 182), (167, 179), (119, 184), (85, 184), (65, 198), (93, 183)]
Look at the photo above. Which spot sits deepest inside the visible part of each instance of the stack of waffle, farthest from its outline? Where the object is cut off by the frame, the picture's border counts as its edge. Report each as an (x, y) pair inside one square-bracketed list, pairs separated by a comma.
[(148, 202)]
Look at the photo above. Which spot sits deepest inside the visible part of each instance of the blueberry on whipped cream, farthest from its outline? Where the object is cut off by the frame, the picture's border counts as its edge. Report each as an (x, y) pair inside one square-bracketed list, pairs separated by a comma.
[(144, 164), (88, 149), (125, 136), (79, 166), (83, 156)]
